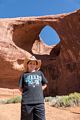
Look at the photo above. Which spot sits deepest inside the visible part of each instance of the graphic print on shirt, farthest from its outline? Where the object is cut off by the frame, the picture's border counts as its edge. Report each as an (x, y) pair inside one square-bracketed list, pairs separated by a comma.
[(33, 80)]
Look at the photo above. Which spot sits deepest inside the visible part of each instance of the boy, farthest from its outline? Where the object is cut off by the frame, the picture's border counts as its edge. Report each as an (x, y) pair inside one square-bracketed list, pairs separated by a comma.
[(32, 83)]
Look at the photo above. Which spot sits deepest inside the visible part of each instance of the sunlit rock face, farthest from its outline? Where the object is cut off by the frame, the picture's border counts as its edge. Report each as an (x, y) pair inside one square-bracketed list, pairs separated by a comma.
[(60, 63)]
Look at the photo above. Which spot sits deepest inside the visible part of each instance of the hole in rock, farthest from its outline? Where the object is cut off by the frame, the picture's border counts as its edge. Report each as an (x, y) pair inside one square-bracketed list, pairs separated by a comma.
[(47, 42), (49, 36)]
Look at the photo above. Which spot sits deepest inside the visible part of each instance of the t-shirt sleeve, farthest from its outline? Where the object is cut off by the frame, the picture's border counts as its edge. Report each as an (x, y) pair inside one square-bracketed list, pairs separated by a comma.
[(21, 80), (44, 80)]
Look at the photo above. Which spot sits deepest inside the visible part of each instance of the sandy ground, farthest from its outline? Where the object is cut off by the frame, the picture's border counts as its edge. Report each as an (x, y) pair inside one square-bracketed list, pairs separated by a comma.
[(12, 112)]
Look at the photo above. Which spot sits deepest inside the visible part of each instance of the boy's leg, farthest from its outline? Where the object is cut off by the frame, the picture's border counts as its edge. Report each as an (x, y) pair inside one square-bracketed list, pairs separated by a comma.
[(39, 112), (26, 112)]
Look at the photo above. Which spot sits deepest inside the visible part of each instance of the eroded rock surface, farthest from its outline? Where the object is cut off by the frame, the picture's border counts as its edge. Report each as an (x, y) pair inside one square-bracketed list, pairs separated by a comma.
[(60, 63)]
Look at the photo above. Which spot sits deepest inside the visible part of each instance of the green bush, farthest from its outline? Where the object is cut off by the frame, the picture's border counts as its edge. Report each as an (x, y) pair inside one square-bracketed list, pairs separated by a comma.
[(16, 99), (72, 99), (2, 101), (47, 99)]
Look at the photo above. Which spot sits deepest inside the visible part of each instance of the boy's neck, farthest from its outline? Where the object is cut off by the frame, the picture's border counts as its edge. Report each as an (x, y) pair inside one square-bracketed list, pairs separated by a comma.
[(32, 71)]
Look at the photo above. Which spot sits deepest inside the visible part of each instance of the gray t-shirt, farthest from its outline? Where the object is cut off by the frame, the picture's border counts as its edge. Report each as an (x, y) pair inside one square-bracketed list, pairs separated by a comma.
[(31, 83)]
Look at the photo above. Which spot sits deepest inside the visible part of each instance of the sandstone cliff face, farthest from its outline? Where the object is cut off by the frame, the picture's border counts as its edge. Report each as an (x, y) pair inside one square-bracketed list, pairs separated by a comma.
[(60, 63)]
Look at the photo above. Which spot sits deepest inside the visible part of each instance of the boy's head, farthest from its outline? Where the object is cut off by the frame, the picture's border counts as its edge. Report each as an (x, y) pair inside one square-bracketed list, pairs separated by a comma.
[(31, 64)]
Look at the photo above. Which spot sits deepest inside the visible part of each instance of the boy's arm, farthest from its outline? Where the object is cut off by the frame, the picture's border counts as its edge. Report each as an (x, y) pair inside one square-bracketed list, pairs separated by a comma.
[(44, 82), (21, 83), (44, 86), (20, 89)]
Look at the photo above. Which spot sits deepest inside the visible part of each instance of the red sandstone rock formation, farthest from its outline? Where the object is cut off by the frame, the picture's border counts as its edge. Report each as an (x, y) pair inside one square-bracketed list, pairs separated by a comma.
[(60, 63)]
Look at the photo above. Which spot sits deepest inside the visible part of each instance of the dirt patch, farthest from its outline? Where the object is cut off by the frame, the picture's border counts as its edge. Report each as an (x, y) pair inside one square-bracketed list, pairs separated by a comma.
[(12, 112)]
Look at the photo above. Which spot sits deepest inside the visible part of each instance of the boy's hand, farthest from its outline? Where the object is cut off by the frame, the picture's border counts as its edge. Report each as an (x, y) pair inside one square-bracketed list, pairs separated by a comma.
[(44, 86), (20, 90)]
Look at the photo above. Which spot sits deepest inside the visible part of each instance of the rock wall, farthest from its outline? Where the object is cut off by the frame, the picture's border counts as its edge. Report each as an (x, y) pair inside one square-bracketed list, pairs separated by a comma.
[(60, 63)]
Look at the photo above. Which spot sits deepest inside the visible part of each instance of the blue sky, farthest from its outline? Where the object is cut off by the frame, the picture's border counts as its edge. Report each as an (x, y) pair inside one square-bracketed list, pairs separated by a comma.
[(24, 8), (18, 8), (49, 36)]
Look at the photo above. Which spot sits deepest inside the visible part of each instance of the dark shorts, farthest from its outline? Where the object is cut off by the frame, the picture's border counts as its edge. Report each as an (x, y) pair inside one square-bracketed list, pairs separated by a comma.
[(32, 112)]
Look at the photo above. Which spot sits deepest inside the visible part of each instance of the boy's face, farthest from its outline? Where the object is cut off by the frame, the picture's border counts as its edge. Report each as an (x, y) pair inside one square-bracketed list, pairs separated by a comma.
[(31, 66)]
